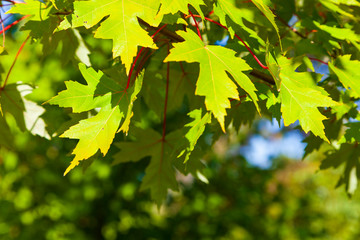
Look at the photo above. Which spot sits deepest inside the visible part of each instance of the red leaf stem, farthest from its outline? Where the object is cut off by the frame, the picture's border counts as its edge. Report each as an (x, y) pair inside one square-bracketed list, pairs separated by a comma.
[(185, 75), (318, 60), (132, 67), (137, 57), (196, 24), (2, 29), (166, 97), (144, 59), (13, 64), (13, 23), (159, 30), (237, 36)]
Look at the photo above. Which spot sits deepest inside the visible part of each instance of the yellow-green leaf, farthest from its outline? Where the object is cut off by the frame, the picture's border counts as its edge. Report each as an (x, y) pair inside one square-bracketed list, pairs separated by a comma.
[(301, 97), (36, 9), (213, 82), (268, 14), (174, 6), (121, 24), (115, 103), (348, 72)]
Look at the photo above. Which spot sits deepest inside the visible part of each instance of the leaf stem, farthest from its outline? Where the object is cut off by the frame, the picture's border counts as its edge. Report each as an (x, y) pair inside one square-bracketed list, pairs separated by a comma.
[(2, 28), (137, 57), (13, 23), (196, 24), (13, 64), (290, 27), (318, 60), (144, 59), (240, 39), (166, 97)]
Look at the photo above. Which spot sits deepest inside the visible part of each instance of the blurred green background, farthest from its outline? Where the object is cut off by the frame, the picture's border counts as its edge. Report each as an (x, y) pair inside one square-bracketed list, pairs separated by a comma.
[(290, 200)]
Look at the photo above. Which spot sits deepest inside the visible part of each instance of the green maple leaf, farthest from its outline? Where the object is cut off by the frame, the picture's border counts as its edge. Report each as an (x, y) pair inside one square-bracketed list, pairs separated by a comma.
[(348, 72), (334, 6), (99, 131), (347, 2), (300, 98), (12, 103), (197, 127), (352, 134), (42, 26), (121, 25), (160, 173), (348, 154), (213, 81), (174, 6), (226, 9), (268, 14), (35, 8), (26, 113), (339, 33)]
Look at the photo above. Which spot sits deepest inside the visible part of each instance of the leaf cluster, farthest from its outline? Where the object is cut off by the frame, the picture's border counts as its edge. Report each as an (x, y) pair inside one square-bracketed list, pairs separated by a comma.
[(157, 85)]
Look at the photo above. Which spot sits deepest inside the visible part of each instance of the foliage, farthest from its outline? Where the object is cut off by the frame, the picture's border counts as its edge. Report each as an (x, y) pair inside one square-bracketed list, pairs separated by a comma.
[(104, 202), (159, 91)]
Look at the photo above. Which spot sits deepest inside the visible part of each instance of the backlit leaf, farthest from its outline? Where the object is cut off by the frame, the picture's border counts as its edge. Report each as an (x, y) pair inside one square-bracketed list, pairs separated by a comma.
[(348, 72), (197, 127), (99, 131), (300, 98), (121, 24), (213, 82), (35, 8), (268, 14), (174, 6)]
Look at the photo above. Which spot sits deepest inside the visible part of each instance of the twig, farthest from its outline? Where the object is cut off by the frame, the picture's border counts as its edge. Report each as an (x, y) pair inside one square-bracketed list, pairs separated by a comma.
[(13, 23), (138, 55), (176, 38), (13, 64), (196, 24)]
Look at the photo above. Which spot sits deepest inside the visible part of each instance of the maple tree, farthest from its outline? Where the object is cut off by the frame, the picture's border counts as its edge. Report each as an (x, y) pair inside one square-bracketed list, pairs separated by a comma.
[(166, 83)]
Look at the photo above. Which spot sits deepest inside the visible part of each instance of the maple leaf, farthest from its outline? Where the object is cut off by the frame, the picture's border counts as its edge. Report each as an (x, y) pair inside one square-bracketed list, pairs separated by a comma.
[(334, 6), (348, 72), (338, 33), (300, 97), (174, 6), (160, 173), (268, 14), (213, 81), (35, 8), (11, 102), (226, 10), (352, 134), (197, 128), (42, 25), (99, 131), (348, 154), (121, 25), (26, 113)]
